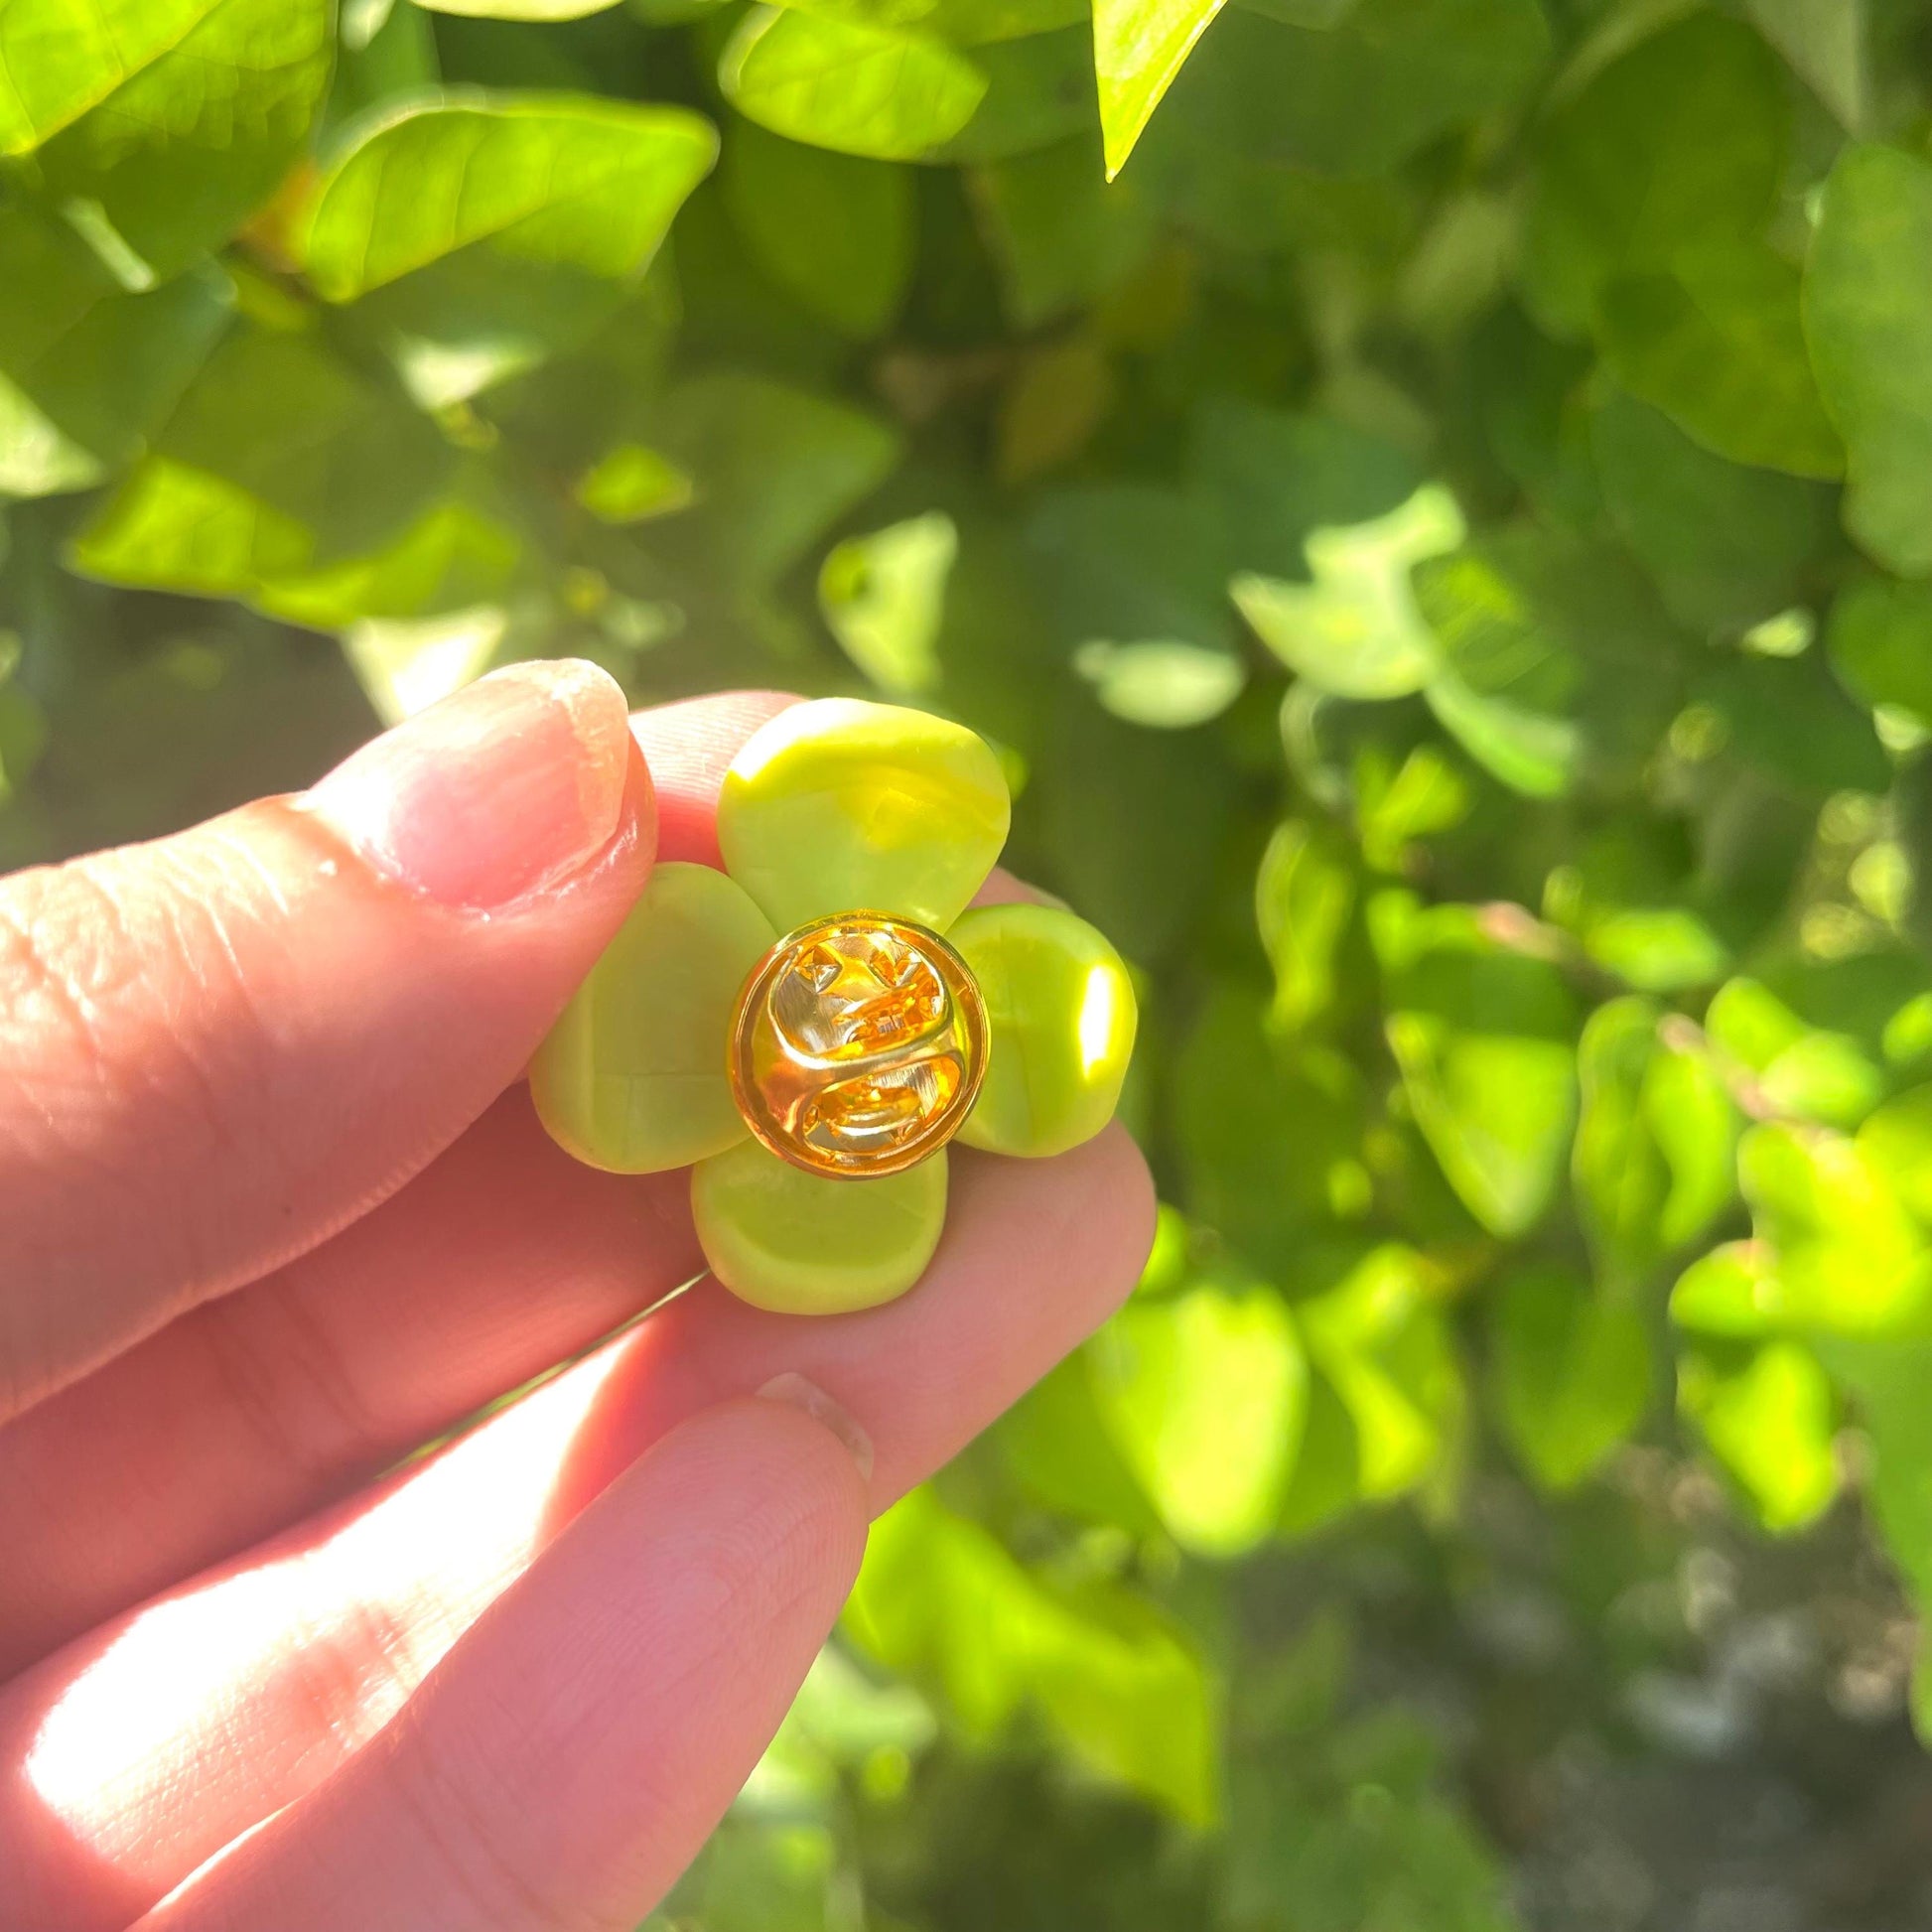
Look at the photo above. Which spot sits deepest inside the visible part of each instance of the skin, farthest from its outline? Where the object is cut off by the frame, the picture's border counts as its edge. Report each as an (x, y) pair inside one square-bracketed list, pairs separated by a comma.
[(278, 1212)]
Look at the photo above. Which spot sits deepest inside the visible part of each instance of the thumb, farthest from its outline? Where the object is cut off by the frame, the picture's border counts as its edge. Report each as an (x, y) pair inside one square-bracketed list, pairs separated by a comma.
[(218, 1048)]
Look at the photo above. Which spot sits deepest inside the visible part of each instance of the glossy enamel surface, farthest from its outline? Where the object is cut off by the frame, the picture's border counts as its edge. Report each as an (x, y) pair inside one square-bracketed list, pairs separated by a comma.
[(842, 804), (1063, 1016), (633, 1077), (801, 1243)]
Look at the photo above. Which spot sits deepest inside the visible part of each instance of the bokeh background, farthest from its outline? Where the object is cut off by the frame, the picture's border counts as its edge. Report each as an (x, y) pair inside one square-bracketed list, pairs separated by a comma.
[(1442, 543)]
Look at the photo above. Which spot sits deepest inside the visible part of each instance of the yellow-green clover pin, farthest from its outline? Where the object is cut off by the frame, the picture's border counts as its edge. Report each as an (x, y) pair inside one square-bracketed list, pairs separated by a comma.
[(809, 1028)]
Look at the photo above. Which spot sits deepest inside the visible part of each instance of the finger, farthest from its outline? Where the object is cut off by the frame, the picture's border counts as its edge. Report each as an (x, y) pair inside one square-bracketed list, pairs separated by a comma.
[(568, 1756), (262, 1406), (217, 1049), (500, 1260), (268, 1674)]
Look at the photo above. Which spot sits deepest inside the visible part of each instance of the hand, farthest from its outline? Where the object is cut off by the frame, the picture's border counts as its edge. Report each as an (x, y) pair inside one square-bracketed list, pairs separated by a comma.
[(274, 1211)]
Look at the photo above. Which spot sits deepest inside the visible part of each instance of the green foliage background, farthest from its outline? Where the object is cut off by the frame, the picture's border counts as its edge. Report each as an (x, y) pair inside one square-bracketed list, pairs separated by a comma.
[(1445, 543)]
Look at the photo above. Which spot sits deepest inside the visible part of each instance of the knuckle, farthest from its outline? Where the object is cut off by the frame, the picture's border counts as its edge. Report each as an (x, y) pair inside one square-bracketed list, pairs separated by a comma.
[(123, 996)]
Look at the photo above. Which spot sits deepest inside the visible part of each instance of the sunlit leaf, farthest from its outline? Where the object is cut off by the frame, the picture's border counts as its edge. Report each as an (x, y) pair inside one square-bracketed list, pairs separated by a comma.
[(1769, 1418), (857, 89), (1139, 46)]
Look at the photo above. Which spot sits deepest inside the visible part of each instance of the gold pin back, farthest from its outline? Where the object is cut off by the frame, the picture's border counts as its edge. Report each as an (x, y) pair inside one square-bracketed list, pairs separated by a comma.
[(858, 1045)]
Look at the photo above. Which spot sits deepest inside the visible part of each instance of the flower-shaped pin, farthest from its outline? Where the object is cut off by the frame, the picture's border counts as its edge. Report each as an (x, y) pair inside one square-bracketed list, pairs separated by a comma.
[(808, 1029)]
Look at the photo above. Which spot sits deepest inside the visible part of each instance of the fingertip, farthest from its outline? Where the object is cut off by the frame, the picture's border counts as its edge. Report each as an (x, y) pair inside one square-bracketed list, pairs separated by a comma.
[(688, 745)]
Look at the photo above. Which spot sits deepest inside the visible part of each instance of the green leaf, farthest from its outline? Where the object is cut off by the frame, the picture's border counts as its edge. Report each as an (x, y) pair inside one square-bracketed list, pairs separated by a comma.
[(482, 233), (1485, 1041), (1376, 1338), (836, 231), (1897, 1140), (1506, 686), (1038, 93), (884, 597), (1726, 545), (774, 466), (1770, 1418), (1716, 342), (1655, 1140), (1825, 46), (280, 460), (1164, 684), (519, 9), (1270, 479), (1846, 1257), (88, 372), (1674, 149), (939, 1599), (1203, 1394), (1571, 1373), (1061, 235), (1139, 46), (173, 120), (1356, 97), (857, 89), (1868, 316), (1801, 1069), (1305, 893), (1356, 632), (1057, 1445), (1134, 574), (1879, 636), (1268, 1134)]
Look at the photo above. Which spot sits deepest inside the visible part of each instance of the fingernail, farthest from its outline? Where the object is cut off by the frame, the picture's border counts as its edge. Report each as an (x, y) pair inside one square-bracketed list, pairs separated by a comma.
[(507, 787), (808, 1396)]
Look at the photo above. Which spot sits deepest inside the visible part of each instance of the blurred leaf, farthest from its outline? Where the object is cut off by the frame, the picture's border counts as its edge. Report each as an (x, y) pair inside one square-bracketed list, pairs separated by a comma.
[(1769, 1418), (1897, 1141), (1039, 92), (836, 231), (1263, 1127), (857, 89), (280, 459), (1881, 642), (1655, 1141), (1305, 893), (1139, 46), (1801, 1069), (884, 597), (1373, 1334), (88, 372), (630, 482), (1484, 1038), (1869, 317), (519, 9), (1844, 1255), (1825, 46), (1671, 150), (1356, 97), (1356, 630), (1573, 1373), (774, 466), (1061, 235), (1270, 479), (1162, 684), (1203, 1391), (1506, 688), (1053, 408), (1727, 545), (1717, 344), (1058, 1444), (169, 121), (939, 1599)]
